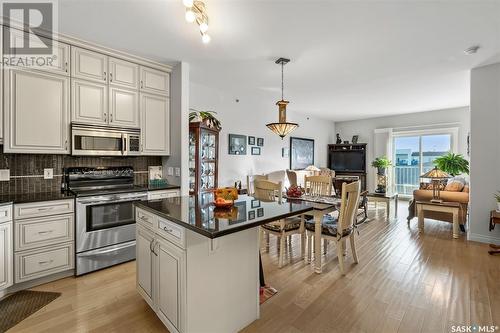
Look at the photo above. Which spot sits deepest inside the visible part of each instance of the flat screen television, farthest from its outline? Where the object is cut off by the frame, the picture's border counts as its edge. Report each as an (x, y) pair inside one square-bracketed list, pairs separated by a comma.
[(348, 160)]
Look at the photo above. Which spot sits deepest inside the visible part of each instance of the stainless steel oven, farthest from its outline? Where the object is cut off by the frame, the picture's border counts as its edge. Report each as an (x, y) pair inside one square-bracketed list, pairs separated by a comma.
[(105, 230), (104, 141)]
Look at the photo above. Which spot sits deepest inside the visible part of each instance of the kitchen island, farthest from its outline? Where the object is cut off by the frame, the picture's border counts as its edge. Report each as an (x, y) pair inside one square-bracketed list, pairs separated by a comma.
[(197, 266)]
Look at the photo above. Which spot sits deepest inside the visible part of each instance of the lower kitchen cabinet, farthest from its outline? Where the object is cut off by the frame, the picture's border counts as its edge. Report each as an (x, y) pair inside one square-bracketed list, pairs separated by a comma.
[(6, 255), (145, 255)]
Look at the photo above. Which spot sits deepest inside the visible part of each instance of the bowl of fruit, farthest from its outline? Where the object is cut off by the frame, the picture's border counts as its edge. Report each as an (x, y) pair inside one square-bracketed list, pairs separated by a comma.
[(294, 191), (224, 197), (223, 203)]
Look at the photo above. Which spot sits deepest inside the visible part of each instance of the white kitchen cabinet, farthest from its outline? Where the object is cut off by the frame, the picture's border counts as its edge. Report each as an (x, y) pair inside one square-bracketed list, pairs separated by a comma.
[(170, 278), (163, 194), (36, 112), (155, 81), (89, 102), (6, 247), (144, 271), (155, 124), (123, 73), (123, 107), (89, 65)]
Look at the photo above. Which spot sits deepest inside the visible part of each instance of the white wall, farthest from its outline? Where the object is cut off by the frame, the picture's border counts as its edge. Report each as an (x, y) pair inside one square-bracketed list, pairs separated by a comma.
[(249, 117), (485, 150), (365, 129)]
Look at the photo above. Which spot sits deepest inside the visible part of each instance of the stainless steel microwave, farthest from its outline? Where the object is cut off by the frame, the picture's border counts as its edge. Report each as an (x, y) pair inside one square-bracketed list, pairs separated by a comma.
[(90, 140)]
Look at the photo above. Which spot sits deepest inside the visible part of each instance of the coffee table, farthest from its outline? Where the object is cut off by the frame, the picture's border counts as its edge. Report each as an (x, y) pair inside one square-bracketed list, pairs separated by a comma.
[(446, 207), (385, 197)]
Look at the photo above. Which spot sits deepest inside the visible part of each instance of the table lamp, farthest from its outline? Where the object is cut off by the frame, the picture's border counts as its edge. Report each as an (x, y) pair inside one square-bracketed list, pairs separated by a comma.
[(436, 176)]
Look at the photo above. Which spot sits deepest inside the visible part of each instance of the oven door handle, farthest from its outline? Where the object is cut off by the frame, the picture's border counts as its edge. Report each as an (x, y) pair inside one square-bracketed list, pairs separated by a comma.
[(113, 249), (95, 202)]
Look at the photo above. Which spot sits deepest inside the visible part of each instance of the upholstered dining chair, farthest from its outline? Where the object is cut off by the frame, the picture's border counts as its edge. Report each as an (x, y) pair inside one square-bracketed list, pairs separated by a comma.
[(341, 228), (250, 182), (265, 190), (292, 177), (318, 185)]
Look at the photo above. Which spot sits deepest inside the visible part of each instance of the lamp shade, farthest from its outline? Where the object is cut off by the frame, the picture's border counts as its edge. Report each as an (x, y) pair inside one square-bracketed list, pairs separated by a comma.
[(435, 174), (282, 129), (312, 168)]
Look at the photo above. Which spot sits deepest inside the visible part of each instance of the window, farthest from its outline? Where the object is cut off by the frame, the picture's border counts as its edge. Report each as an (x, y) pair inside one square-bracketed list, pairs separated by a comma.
[(414, 154)]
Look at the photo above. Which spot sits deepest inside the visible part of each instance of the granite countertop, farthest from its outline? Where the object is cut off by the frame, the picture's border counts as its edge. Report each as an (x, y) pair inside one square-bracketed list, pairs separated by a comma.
[(204, 218), (18, 198)]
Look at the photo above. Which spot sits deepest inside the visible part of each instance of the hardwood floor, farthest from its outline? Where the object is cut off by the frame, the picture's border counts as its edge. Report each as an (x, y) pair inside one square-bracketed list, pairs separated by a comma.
[(405, 282)]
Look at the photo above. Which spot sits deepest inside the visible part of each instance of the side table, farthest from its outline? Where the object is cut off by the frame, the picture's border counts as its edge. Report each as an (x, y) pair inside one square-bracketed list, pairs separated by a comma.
[(494, 219), (446, 207), (385, 197)]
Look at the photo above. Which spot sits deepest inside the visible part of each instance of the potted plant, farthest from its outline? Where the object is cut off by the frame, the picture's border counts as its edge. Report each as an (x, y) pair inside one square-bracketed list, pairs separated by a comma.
[(453, 164), (381, 163), (497, 197), (205, 116)]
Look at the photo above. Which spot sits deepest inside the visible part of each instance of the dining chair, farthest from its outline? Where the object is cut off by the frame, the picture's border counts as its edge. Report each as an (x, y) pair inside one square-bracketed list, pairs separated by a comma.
[(250, 182), (268, 191), (292, 177), (341, 228), (318, 185)]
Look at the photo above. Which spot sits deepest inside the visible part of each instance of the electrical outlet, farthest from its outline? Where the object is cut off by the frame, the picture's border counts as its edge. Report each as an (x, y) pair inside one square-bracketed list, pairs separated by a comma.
[(170, 171), (4, 175), (48, 173), (177, 172)]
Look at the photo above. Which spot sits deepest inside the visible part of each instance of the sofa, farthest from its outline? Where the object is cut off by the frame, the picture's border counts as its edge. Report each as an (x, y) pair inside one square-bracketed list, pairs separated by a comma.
[(457, 195)]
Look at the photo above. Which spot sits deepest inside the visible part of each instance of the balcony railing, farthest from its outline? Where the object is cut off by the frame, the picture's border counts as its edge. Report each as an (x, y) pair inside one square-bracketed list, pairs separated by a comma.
[(407, 178)]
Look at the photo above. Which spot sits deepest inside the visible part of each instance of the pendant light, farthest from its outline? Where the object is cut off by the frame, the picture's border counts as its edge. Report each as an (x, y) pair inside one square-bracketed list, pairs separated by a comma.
[(282, 127)]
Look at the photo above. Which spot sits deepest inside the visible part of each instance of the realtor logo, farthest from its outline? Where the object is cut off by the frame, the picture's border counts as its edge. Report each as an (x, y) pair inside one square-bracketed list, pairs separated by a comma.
[(34, 17)]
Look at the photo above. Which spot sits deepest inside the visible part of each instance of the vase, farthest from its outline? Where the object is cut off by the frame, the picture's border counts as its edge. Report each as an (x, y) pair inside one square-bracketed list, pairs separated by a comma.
[(381, 171)]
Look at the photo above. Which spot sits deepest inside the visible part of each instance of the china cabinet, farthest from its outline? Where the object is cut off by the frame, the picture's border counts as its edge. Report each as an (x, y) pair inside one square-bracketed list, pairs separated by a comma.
[(203, 158)]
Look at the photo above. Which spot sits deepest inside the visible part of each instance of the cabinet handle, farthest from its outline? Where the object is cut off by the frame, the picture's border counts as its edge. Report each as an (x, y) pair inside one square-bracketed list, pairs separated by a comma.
[(66, 66), (168, 230), (151, 245), (45, 232), (142, 85), (41, 209), (104, 76), (105, 117), (66, 144), (45, 262), (110, 77), (110, 117)]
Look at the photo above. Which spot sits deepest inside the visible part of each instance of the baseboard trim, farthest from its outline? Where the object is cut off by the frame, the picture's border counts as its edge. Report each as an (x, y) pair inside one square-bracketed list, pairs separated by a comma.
[(483, 239)]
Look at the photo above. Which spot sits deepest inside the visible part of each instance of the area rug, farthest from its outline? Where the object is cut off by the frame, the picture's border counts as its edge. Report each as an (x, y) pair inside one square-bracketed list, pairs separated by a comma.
[(266, 293), (19, 306)]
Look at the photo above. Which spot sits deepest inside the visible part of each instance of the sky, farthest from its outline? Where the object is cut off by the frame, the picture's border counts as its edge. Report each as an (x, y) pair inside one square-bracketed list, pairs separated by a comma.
[(429, 143)]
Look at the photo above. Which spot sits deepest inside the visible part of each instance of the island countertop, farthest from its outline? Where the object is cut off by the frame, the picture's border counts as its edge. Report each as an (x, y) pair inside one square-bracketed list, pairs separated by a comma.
[(204, 218)]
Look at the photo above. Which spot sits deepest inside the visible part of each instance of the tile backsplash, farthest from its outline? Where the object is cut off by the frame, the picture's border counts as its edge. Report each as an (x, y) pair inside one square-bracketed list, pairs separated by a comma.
[(26, 170)]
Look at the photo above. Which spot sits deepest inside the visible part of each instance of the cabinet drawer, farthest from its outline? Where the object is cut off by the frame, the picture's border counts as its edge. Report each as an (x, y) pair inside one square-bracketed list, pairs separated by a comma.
[(172, 232), (162, 194), (5, 213), (43, 208), (38, 232), (145, 219), (35, 264)]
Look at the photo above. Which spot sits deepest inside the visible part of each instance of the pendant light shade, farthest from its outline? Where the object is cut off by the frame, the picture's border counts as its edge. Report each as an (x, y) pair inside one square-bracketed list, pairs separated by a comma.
[(282, 127)]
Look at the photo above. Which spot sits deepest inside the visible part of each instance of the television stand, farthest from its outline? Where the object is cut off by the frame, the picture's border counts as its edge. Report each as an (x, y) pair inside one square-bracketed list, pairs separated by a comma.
[(343, 158), (349, 177)]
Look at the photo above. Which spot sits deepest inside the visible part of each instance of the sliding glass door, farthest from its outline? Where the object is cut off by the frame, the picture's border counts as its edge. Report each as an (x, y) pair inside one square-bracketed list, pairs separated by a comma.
[(414, 155)]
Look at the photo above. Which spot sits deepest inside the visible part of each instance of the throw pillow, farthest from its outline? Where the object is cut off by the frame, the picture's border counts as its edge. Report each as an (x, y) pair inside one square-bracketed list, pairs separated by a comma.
[(454, 186), (466, 189)]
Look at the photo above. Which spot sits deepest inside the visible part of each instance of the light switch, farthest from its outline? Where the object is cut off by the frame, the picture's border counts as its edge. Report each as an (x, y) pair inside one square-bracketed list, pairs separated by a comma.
[(177, 172), (170, 171), (4, 175), (48, 173)]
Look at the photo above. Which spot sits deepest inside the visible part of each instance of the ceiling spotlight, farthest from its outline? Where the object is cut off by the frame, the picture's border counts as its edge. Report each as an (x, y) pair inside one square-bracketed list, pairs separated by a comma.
[(187, 3), (205, 38), (203, 27), (190, 16), (472, 49)]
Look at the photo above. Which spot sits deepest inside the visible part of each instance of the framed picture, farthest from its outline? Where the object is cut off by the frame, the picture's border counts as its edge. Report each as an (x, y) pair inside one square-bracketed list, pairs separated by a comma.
[(237, 144), (260, 142), (251, 140), (301, 153), (251, 215), (285, 152), (260, 212), (355, 139), (255, 203), (255, 150)]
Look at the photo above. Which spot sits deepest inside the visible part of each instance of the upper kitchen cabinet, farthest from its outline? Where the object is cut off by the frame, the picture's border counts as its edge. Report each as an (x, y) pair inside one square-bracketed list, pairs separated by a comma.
[(89, 65), (123, 73), (89, 102), (155, 81), (36, 112), (123, 107), (58, 63), (155, 124)]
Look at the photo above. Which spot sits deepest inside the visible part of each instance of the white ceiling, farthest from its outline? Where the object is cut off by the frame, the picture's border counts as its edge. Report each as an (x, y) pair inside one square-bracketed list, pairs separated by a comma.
[(350, 59)]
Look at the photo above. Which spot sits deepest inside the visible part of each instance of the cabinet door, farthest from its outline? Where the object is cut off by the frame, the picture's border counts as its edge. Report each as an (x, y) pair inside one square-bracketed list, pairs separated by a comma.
[(89, 102), (89, 65), (6, 255), (155, 124), (144, 260), (36, 112), (155, 81), (123, 73), (57, 62), (123, 107), (170, 283)]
